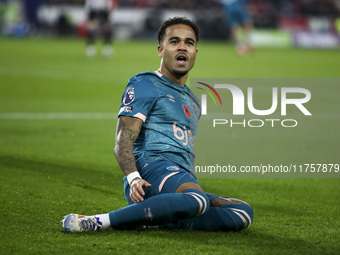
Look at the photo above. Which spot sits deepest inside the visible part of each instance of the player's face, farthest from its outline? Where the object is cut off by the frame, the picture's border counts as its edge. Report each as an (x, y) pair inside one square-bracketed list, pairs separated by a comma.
[(178, 50)]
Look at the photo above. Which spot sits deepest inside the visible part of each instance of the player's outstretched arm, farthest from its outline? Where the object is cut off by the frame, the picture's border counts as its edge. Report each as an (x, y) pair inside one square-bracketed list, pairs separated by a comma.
[(128, 129)]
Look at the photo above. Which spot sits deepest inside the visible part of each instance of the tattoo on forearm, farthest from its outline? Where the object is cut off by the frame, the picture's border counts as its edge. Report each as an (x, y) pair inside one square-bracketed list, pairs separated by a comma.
[(128, 129)]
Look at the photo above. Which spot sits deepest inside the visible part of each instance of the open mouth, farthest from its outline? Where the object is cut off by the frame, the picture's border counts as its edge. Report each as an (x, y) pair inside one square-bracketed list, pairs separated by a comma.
[(181, 59)]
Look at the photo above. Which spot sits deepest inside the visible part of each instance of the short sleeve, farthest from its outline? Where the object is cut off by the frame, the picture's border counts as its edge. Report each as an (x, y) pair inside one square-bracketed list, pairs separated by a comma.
[(138, 98)]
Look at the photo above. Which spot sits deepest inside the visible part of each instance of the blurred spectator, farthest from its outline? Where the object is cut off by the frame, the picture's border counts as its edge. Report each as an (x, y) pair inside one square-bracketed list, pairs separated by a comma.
[(267, 14), (98, 12), (302, 7)]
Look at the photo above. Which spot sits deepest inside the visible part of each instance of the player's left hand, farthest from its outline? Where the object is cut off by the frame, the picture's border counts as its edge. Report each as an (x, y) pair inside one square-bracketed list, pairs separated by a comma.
[(137, 189)]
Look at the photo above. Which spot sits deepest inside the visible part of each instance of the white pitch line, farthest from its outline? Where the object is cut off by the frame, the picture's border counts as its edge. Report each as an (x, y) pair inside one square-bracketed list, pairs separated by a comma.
[(57, 115), (54, 74)]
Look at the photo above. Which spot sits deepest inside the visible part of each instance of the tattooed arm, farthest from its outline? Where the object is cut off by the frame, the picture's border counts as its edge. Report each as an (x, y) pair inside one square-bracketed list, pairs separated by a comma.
[(128, 129)]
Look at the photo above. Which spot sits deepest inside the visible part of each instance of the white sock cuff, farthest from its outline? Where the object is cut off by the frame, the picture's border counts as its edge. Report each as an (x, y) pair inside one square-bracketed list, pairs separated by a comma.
[(105, 219)]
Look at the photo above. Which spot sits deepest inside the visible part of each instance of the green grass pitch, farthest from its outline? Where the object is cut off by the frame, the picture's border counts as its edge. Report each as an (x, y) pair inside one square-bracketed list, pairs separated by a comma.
[(57, 125)]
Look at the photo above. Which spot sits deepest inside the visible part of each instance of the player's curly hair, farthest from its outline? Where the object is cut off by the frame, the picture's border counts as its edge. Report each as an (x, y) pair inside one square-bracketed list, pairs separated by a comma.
[(176, 21)]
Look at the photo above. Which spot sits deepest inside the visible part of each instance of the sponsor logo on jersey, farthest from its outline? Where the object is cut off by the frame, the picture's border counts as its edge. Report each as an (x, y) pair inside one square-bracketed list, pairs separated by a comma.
[(183, 135), (129, 96), (125, 109), (173, 168), (186, 111)]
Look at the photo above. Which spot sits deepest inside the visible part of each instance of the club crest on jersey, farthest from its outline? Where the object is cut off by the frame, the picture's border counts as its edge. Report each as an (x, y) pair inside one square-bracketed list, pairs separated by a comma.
[(186, 111), (129, 96)]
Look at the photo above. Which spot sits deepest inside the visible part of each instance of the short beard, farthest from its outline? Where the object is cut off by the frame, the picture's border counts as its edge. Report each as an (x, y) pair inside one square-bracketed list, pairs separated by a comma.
[(179, 74)]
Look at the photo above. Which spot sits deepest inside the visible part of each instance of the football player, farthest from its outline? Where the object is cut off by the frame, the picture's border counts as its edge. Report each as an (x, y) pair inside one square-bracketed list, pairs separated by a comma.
[(156, 130), (240, 21), (98, 15)]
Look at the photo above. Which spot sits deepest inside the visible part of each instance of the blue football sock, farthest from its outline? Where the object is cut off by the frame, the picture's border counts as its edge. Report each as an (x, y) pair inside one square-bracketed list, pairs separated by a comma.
[(229, 217), (161, 209)]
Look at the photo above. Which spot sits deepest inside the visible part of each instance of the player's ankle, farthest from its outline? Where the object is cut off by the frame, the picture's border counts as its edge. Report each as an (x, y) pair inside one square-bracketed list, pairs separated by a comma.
[(105, 221)]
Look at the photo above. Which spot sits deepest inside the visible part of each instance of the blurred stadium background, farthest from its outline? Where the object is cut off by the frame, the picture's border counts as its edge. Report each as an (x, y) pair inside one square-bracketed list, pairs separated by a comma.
[(58, 115), (278, 23)]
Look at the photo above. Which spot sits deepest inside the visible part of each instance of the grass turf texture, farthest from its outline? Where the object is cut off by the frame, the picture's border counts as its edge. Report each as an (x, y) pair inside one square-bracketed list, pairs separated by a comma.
[(51, 166)]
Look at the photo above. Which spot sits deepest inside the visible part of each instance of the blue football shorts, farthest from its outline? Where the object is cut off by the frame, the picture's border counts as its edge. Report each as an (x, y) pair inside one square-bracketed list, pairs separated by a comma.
[(164, 177)]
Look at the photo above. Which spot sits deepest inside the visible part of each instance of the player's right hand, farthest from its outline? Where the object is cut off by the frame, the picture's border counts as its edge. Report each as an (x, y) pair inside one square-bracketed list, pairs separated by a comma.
[(137, 189)]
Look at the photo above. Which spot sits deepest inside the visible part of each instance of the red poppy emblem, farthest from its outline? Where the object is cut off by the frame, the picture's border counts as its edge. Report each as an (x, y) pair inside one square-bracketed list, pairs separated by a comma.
[(186, 111)]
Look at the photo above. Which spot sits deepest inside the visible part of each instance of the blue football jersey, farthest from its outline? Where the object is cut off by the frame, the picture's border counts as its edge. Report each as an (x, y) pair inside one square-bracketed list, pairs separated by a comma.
[(170, 114)]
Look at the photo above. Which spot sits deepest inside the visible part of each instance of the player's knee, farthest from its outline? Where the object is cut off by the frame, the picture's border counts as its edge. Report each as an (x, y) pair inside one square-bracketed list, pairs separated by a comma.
[(243, 215), (201, 198)]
